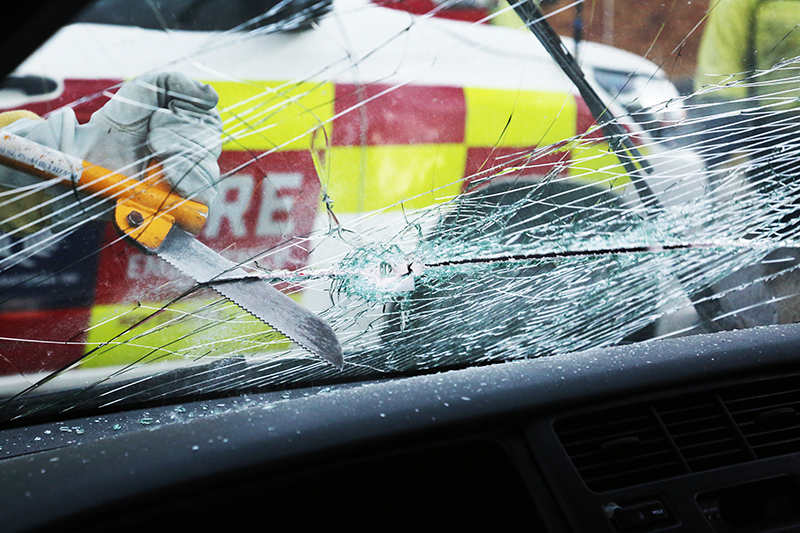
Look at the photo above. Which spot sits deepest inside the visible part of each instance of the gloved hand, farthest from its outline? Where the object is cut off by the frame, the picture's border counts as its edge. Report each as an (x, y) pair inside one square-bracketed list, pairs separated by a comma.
[(165, 116)]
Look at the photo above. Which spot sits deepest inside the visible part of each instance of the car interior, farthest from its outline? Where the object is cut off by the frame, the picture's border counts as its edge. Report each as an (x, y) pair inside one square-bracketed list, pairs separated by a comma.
[(692, 433)]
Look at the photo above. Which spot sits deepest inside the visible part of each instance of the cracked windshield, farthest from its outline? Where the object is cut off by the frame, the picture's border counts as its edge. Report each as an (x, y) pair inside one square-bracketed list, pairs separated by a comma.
[(200, 197)]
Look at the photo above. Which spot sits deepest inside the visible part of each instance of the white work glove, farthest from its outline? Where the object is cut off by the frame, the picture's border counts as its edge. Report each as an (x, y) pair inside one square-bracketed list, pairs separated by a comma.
[(165, 116)]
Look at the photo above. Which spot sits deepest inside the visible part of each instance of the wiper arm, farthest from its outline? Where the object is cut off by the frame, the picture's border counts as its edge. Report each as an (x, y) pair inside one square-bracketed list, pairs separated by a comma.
[(618, 138)]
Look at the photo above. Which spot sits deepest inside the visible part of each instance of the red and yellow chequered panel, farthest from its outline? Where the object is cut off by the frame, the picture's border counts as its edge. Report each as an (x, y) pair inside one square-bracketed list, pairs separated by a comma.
[(389, 144), (384, 145), (591, 158)]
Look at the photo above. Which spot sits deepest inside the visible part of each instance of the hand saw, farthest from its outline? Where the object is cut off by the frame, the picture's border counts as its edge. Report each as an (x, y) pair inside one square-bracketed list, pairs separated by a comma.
[(160, 221)]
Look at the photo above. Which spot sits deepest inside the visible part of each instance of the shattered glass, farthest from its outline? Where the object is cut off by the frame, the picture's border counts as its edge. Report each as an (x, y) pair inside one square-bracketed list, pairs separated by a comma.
[(436, 190)]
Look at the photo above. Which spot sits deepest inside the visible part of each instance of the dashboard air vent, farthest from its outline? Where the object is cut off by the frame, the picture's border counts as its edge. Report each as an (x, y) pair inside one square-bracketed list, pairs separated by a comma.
[(620, 447), (702, 431), (639, 443), (768, 414)]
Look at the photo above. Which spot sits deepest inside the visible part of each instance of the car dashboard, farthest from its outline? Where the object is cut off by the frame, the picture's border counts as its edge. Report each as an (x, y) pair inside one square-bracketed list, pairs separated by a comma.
[(690, 434)]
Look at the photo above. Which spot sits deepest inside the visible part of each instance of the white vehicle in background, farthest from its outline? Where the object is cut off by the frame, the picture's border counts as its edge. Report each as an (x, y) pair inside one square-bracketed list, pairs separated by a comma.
[(343, 117)]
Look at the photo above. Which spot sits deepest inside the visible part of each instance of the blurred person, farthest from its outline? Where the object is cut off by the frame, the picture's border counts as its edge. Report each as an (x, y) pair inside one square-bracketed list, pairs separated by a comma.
[(745, 36), (748, 105), (747, 78)]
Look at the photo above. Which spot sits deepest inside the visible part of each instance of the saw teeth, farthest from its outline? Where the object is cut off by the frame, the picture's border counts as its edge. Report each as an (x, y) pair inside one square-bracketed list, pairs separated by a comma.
[(299, 343), (204, 265)]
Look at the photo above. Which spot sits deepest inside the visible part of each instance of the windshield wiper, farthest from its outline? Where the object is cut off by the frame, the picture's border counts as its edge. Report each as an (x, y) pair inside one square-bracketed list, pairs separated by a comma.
[(618, 138)]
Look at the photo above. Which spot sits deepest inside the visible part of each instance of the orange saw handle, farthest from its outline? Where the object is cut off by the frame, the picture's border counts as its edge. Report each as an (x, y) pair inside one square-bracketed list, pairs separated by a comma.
[(146, 210)]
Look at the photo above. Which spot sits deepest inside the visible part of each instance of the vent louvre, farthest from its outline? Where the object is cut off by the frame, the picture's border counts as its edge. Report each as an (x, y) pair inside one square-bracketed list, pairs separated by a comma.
[(702, 432), (691, 433), (767, 415), (619, 447)]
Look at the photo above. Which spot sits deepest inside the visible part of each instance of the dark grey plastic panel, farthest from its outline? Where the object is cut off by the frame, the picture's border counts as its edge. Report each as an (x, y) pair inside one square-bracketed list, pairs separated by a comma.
[(280, 435)]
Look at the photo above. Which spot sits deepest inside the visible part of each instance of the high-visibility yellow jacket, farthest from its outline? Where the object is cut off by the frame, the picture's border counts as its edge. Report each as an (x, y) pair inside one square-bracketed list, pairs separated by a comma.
[(746, 35)]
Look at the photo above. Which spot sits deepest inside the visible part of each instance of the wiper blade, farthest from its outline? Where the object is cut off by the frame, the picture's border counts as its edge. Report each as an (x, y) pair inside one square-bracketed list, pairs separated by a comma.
[(630, 157)]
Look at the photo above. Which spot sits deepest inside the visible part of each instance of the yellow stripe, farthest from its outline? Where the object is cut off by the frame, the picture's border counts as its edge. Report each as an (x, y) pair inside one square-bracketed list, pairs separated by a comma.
[(10, 117), (374, 177), (262, 115), (184, 331), (516, 119), (593, 162)]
